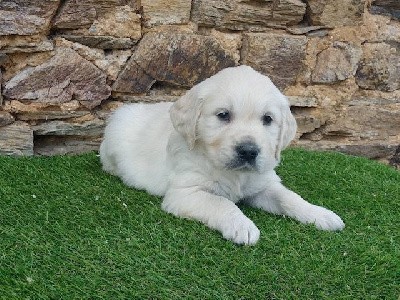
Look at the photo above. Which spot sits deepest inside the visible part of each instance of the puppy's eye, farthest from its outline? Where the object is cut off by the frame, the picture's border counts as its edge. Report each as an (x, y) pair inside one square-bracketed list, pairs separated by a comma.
[(267, 120), (224, 116)]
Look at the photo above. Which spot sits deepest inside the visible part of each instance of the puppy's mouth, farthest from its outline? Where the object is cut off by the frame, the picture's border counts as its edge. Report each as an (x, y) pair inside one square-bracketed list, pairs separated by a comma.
[(239, 164)]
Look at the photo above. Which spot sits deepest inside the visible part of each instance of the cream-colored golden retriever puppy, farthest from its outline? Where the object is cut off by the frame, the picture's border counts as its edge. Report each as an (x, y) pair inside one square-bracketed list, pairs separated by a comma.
[(217, 145)]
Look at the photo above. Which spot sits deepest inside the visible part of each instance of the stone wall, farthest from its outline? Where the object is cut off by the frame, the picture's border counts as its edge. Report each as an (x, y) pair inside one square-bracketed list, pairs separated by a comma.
[(65, 64)]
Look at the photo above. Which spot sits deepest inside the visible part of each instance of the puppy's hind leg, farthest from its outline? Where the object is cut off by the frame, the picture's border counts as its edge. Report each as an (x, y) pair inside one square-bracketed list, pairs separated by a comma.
[(107, 160), (215, 211)]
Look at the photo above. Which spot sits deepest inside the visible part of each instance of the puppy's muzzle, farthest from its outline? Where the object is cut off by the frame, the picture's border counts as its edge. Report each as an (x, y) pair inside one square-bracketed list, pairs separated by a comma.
[(246, 154)]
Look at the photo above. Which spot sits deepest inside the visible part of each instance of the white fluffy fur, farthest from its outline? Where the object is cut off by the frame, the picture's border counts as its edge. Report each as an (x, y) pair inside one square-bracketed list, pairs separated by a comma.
[(183, 151)]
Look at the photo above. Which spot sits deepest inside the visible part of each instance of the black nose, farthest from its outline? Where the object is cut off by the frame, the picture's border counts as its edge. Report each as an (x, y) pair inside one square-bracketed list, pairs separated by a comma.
[(247, 151)]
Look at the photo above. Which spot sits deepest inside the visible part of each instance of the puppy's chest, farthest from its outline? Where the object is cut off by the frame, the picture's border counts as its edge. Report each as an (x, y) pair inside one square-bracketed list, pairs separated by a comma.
[(235, 189)]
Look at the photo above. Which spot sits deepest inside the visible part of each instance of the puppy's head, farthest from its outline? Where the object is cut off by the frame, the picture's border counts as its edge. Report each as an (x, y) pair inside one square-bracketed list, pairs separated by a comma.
[(238, 118)]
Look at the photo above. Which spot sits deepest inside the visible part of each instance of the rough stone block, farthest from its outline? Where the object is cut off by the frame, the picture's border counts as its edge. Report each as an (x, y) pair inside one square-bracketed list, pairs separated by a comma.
[(38, 111), (248, 15), (367, 122), (25, 44), (386, 7), (306, 122), (133, 79), (101, 42), (382, 150), (182, 59), (336, 13), (82, 14), (158, 12), (107, 24), (61, 145), (25, 24), (111, 62), (21, 17), (5, 118), (122, 22), (299, 101), (380, 67), (336, 63), (91, 127), (280, 56), (65, 77), (16, 139)]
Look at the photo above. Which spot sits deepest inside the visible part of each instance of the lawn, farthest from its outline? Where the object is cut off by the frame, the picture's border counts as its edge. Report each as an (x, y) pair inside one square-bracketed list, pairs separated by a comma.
[(70, 231)]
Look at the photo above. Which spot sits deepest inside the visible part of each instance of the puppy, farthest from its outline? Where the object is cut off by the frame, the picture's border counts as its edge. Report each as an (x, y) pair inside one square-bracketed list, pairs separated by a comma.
[(218, 145)]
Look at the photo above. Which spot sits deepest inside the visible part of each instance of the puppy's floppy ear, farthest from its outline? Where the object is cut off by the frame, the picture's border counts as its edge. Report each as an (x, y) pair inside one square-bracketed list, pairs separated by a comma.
[(287, 130), (185, 113)]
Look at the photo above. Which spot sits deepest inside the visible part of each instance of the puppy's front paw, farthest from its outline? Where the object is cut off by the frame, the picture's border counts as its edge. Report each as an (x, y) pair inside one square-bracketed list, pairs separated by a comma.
[(240, 230), (325, 219)]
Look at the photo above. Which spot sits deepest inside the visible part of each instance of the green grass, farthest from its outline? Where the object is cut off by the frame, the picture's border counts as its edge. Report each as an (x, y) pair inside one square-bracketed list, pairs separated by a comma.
[(70, 231)]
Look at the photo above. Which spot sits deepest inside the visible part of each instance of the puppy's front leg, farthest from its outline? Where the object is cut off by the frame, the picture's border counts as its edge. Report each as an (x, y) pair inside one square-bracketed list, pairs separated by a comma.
[(215, 211), (277, 199)]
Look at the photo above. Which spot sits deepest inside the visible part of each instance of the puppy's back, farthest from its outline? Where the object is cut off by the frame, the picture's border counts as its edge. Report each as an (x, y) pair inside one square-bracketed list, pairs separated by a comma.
[(134, 145)]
